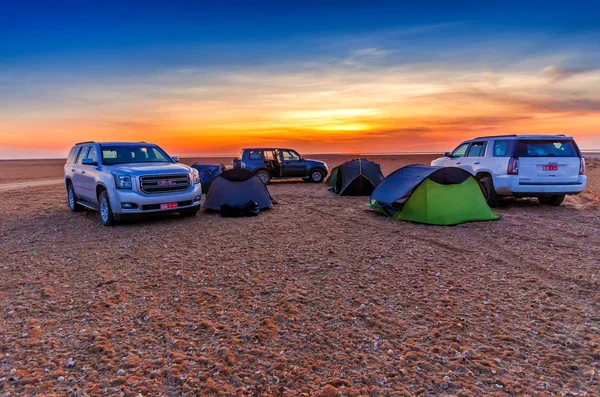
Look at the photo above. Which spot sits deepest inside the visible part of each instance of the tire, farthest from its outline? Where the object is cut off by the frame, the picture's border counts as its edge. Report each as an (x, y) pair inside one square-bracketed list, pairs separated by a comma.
[(264, 176), (555, 200), (104, 210), (189, 212), (317, 176), (489, 192), (72, 199)]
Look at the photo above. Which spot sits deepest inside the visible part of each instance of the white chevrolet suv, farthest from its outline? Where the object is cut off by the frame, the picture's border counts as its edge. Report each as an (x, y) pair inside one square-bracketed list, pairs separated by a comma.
[(544, 166), (121, 178)]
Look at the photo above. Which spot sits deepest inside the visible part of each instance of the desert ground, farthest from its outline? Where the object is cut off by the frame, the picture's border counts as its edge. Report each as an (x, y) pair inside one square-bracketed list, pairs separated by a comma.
[(315, 297)]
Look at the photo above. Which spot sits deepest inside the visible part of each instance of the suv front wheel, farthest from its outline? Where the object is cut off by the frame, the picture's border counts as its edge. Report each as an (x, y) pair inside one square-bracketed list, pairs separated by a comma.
[(316, 176), (552, 200), (106, 215)]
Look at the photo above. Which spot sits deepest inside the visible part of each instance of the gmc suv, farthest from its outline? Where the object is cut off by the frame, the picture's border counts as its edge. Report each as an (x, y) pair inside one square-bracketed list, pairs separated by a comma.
[(119, 178), (544, 166), (269, 163)]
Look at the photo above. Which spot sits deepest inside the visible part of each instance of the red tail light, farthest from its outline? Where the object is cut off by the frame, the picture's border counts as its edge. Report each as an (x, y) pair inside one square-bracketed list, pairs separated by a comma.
[(513, 166), (581, 166)]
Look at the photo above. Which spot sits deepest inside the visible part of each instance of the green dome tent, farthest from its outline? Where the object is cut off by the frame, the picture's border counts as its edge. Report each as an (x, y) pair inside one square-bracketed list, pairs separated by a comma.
[(433, 195), (355, 178)]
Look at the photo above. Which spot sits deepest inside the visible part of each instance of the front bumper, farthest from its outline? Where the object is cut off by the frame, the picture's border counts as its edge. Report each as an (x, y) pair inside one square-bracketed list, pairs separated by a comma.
[(147, 203), (513, 185)]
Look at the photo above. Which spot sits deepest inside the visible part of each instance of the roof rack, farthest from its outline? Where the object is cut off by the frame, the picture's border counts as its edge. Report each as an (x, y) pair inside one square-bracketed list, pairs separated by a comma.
[(496, 136), (81, 143), (514, 136)]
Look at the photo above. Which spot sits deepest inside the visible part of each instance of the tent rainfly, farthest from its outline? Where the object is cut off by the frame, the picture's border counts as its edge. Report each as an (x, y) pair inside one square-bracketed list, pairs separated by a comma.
[(432, 195), (236, 188), (355, 178)]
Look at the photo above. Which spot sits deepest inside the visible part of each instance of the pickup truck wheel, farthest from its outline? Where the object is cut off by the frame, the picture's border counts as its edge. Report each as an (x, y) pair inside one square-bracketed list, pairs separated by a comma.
[(72, 199), (488, 191), (555, 200), (106, 215), (189, 212), (316, 176), (264, 176)]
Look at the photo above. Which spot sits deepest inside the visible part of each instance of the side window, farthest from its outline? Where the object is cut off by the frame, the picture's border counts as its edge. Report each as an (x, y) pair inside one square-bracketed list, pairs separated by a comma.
[(83, 154), (269, 155), (289, 155), (501, 148), (477, 149), (93, 154), (72, 155), (255, 155), (460, 151)]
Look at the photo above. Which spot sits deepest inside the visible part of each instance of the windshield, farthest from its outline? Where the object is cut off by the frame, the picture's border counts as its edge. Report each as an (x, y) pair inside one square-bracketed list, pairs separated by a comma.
[(133, 154), (547, 148)]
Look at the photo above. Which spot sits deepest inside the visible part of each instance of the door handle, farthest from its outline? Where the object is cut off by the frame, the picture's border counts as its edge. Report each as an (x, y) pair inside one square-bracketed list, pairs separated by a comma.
[(458, 163), (477, 163), (73, 170)]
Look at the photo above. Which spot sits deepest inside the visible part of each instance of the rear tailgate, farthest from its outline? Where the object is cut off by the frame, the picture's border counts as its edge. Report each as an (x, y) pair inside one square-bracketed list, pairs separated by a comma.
[(548, 162)]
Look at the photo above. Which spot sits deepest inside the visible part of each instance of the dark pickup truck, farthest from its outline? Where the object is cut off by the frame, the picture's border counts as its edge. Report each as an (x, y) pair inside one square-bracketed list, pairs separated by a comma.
[(272, 163)]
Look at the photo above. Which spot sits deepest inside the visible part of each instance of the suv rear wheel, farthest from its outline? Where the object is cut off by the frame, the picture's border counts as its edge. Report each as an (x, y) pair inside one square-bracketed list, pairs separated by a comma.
[(552, 200), (106, 215), (316, 176), (264, 176), (488, 191), (72, 199)]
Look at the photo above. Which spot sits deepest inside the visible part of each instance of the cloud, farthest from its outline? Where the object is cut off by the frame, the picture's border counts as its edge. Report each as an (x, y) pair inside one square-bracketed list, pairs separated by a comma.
[(556, 73)]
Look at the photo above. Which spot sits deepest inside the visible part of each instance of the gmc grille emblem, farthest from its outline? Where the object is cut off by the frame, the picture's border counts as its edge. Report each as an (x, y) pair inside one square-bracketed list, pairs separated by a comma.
[(165, 182)]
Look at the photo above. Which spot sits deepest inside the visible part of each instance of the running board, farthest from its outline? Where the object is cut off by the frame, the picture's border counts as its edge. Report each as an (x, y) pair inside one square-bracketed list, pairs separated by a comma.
[(88, 205)]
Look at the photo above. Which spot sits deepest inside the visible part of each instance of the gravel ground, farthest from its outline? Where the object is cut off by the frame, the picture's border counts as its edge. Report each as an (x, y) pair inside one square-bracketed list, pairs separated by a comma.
[(314, 297)]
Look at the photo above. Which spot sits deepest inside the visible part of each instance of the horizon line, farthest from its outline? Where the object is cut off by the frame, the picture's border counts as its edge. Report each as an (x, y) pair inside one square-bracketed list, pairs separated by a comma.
[(586, 151)]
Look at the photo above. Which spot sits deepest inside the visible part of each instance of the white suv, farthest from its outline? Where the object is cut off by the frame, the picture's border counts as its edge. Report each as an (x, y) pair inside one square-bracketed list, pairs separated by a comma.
[(122, 178), (544, 166)]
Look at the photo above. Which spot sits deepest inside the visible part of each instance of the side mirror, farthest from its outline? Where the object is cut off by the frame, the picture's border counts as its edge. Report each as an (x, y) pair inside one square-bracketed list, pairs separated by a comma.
[(175, 159), (447, 154), (88, 162)]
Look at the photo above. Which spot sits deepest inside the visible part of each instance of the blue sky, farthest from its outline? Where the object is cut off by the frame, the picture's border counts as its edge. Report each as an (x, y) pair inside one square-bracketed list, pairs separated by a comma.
[(145, 63)]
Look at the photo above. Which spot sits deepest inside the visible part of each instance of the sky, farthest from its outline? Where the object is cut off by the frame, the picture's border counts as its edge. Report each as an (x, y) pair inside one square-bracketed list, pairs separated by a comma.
[(208, 77)]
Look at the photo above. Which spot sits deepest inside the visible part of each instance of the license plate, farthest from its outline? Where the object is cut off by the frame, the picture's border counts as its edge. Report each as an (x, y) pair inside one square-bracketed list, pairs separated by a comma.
[(168, 206), (550, 167)]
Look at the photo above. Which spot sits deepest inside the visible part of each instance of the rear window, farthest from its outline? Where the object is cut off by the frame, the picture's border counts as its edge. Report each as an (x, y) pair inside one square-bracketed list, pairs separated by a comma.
[(547, 148), (255, 155)]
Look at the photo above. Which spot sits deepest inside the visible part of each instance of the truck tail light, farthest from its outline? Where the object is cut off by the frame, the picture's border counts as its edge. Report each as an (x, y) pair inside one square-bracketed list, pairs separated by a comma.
[(581, 166), (513, 166)]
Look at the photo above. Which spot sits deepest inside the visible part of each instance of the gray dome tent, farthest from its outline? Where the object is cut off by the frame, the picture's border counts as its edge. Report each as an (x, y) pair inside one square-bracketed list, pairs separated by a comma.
[(237, 187), (355, 178)]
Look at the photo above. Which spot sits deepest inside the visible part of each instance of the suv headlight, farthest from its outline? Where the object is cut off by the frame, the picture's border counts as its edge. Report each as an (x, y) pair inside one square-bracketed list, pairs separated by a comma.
[(123, 181), (195, 177)]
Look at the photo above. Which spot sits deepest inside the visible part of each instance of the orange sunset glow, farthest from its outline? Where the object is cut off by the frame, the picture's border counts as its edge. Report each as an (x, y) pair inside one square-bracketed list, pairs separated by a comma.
[(331, 111)]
